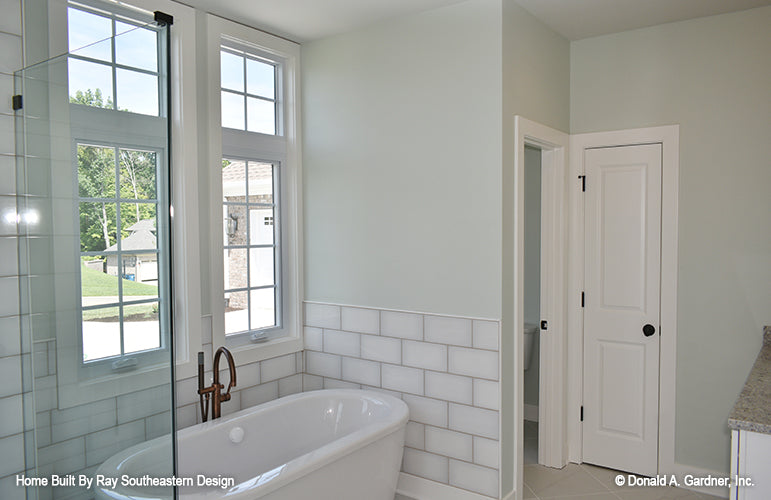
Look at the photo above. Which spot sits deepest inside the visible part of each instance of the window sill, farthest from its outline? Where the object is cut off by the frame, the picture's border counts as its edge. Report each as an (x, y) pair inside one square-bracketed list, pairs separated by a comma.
[(273, 348)]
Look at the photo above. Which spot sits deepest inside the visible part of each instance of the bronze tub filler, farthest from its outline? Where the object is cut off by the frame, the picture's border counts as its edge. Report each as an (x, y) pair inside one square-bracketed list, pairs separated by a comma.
[(214, 391)]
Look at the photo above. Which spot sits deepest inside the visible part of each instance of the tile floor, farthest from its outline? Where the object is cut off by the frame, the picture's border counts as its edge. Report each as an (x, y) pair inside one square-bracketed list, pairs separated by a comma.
[(587, 482), (583, 481)]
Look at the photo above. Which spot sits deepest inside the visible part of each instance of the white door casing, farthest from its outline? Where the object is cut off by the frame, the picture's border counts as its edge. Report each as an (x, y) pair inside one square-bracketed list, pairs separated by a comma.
[(622, 285), (552, 444)]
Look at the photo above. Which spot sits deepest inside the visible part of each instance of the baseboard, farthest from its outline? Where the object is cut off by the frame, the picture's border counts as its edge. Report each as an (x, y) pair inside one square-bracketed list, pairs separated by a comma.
[(425, 489), (681, 470), (531, 412)]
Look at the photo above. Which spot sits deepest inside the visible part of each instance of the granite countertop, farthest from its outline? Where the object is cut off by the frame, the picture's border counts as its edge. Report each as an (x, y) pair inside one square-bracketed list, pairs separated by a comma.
[(752, 411)]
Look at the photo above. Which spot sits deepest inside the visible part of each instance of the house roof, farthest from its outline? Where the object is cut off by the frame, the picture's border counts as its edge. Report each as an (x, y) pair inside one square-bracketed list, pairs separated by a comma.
[(235, 172), (138, 240), (143, 225)]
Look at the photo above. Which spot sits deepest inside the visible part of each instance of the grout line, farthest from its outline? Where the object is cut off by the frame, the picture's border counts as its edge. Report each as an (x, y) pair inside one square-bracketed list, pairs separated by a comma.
[(423, 313), (464, 346), (586, 469)]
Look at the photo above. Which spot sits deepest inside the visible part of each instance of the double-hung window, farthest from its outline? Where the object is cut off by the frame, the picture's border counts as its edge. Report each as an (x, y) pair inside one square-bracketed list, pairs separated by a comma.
[(256, 181)]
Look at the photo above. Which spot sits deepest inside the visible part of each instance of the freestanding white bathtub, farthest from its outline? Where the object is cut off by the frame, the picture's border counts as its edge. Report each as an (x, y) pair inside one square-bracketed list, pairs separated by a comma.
[(325, 445)]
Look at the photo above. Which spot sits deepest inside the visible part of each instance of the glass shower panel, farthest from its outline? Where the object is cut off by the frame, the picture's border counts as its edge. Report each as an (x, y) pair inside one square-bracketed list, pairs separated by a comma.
[(94, 256)]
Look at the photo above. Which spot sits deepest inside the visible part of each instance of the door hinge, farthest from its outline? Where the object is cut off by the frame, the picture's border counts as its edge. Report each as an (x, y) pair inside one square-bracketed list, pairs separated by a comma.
[(17, 102), (583, 182), (583, 299), (163, 19), (582, 413), (544, 324)]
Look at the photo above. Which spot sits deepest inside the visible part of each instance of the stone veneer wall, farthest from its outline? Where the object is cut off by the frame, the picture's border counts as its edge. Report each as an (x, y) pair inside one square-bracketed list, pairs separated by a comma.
[(445, 368)]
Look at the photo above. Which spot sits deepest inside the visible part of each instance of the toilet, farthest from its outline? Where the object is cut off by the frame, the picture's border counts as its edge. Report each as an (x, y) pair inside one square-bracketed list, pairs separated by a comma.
[(531, 330)]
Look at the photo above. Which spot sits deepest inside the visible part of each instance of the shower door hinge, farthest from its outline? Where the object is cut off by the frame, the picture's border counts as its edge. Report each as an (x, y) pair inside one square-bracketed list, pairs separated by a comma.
[(583, 182), (582, 413), (544, 324), (583, 301), (17, 102), (163, 19)]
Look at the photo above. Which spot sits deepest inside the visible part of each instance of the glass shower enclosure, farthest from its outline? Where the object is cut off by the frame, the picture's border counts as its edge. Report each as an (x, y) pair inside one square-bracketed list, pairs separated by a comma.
[(93, 206)]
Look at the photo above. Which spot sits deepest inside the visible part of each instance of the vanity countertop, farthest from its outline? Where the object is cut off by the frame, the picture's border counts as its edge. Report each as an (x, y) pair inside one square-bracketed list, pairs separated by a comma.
[(752, 411)]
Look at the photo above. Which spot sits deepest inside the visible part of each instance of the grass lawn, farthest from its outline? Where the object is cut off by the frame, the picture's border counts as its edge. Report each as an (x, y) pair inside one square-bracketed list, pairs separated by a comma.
[(141, 312), (98, 284)]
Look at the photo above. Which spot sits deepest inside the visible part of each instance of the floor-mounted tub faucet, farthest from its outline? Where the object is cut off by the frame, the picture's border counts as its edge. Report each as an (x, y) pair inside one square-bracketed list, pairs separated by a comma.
[(214, 391)]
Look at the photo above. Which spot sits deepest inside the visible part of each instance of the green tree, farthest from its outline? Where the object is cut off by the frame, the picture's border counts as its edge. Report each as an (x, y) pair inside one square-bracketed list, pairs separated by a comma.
[(91, 98), (96, 179), (138, 181)]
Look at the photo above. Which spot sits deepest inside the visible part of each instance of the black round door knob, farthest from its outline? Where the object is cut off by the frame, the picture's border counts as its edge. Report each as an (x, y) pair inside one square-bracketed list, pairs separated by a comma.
[(648, 330)]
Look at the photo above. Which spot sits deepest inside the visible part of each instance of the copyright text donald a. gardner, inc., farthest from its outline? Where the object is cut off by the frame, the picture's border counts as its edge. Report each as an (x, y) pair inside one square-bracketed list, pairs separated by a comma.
[(688, 480)]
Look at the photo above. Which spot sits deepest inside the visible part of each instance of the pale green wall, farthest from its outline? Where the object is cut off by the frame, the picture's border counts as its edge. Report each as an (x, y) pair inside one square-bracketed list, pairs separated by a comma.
[(712, 76), (401, 159), (532, 274), (408, 161), (536, 76)]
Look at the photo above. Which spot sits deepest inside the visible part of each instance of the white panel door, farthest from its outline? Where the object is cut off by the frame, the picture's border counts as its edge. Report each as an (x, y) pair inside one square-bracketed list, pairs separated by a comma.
[(622, 273)]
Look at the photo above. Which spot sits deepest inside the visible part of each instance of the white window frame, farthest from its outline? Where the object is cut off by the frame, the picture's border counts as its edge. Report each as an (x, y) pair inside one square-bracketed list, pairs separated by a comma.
[(186, 260), (282, 148), (86, 130)]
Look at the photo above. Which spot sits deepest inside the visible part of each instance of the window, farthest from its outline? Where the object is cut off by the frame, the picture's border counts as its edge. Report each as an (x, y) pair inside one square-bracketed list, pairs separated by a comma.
[(120, 159), (119, 250), (113, 61), (256, 263), (251, 198), (114, 125), (248, 92), (252, 261)]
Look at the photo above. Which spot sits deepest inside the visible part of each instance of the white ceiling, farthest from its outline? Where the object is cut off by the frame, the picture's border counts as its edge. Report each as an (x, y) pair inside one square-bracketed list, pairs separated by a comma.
[(305, 20), (577, 19)]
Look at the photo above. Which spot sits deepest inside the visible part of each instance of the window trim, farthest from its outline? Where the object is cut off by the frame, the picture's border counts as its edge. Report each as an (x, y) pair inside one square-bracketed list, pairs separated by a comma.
[(282, 148), (185, 231)]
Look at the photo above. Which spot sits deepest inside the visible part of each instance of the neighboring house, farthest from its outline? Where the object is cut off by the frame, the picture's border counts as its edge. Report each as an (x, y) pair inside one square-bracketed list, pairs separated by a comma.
[(260, 225), (138, 252)]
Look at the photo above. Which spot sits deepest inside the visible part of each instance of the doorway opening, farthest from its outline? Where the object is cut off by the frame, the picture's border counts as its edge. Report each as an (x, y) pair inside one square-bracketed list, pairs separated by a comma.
[(547, 307), (532, 300)]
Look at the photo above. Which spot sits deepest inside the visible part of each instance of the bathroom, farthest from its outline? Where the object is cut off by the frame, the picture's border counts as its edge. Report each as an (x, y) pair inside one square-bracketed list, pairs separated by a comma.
[(532, 300), (394, 236)]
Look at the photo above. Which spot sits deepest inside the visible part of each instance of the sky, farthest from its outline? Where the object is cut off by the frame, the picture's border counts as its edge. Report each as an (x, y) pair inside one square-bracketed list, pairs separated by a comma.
[(135, 47)]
